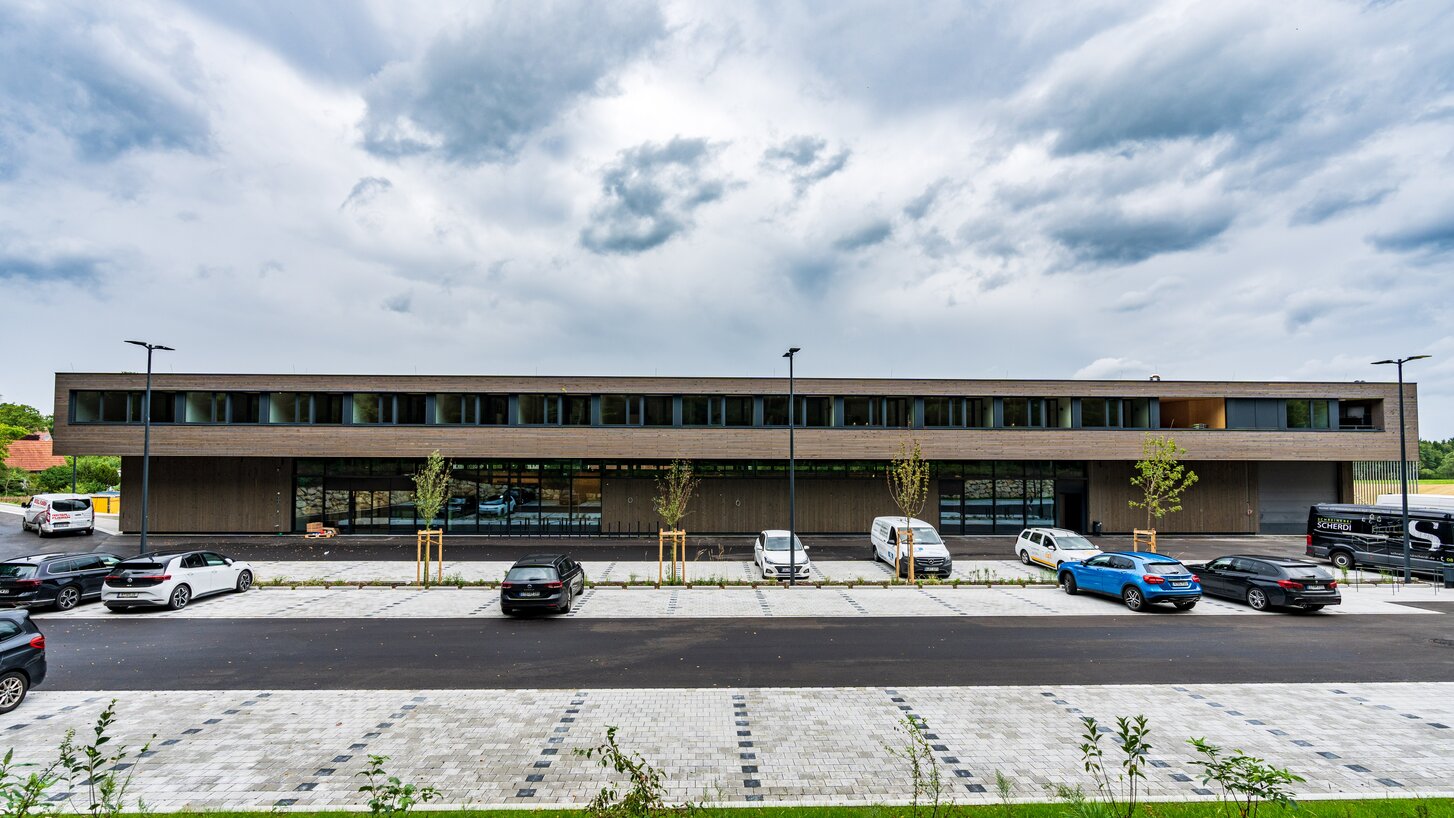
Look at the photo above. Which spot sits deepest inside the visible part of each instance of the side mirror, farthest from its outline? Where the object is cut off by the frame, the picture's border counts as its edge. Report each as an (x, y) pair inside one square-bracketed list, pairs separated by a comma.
[(1051, 546), (805, 548), (227, 560)]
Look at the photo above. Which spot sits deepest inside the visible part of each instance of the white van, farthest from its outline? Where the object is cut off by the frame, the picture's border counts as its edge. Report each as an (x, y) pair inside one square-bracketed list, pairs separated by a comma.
[(931, 558), (47, 514)]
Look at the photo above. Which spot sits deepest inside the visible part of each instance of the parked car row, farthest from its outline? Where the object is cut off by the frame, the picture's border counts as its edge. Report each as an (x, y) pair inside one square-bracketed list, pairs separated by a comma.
[(170, 579), (1139, 579)]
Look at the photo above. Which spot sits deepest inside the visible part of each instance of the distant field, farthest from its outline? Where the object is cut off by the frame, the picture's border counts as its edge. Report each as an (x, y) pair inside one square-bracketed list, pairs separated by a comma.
[(1436, 487)]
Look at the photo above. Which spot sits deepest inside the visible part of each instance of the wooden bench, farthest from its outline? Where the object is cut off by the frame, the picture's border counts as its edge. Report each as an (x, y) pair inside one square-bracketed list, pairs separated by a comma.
[(320, 530)]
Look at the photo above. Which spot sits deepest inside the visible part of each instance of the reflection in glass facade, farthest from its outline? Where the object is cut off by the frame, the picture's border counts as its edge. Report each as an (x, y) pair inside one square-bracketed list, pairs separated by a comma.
[(1002, 497), (363, 496), (376, 496)]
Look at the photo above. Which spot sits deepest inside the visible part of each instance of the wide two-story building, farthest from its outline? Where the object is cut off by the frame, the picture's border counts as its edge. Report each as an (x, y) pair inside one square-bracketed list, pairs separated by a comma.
[(272, 453)]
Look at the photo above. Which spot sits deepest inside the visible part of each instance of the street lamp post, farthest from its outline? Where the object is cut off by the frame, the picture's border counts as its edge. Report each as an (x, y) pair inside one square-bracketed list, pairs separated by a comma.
[(1403, 462), (792, 472), (146, 434)]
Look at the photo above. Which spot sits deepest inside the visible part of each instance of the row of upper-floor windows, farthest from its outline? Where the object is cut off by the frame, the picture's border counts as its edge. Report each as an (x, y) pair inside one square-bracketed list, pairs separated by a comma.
[(812, 411)]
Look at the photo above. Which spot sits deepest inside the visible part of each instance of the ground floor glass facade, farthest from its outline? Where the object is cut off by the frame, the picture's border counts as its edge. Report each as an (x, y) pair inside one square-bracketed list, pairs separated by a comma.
[(376, 496)]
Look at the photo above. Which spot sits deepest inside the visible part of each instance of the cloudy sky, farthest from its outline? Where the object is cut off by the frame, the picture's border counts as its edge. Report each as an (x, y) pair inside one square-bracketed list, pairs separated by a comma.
[(1096, 189)]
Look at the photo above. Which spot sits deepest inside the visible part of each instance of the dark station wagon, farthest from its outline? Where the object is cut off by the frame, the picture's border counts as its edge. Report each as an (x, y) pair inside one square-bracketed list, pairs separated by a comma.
[(542, 582), (62, 580)]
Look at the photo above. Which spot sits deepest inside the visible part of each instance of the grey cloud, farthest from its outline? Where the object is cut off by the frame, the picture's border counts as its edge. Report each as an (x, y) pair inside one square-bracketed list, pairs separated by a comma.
[(366, 190), (402, 303), (334, 39), (1201, 79), (1114, 238), (918, 207), (1434, 237), (806, 159), (62, 268), (1330, 203), (875, 232), (109, 85), (650, 195), (480, 91)]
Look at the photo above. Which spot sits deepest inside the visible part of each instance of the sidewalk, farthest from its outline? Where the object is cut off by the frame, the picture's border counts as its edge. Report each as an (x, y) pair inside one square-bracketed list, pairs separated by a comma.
[(258, 750)]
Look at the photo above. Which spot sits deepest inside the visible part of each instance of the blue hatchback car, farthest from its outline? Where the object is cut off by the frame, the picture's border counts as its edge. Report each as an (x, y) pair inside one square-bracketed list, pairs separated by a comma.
[(1136, 577)]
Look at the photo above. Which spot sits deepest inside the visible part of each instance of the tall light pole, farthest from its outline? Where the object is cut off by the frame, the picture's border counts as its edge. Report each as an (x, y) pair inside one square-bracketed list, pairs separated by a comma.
[(792, 473), (146, 434), (1403, 461)]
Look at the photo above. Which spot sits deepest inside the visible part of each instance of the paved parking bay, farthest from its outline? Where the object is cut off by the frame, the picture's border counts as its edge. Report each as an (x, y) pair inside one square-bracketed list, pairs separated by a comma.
[(731, 602), (261, 749)]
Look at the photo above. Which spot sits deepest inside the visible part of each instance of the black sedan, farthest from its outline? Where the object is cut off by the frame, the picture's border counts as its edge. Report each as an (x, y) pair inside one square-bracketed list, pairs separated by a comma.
[(547, 582), (1270, 582), (62, 580), (22, 658)]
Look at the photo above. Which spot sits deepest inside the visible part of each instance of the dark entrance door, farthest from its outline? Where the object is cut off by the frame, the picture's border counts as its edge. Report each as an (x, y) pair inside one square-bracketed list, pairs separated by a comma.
[(1070, 505)]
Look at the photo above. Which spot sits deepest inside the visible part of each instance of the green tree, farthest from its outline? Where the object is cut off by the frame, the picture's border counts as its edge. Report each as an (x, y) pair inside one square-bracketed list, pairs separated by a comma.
[(431, 488), (26, 417), (1446, 467), (1161, 477), (673, 492), (909, 486)]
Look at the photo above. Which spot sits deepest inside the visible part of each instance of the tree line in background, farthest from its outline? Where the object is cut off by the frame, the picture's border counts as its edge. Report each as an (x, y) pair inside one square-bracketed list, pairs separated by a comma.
[(1436, 459), (93, 473)]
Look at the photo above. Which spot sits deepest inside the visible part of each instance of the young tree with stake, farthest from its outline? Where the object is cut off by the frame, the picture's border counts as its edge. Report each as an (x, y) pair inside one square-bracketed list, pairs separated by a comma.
[(909, 486), (1161, 477)]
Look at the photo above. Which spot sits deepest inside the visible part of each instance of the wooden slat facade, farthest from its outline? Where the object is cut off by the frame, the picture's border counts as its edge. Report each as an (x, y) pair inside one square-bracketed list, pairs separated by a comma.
[(210, 494), (1223, 501)]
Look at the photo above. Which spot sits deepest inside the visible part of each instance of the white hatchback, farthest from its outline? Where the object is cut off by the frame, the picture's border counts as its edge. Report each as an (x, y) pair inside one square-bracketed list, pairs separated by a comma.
[(173, 580), (1049, 547), (776, 560), (48, 514)]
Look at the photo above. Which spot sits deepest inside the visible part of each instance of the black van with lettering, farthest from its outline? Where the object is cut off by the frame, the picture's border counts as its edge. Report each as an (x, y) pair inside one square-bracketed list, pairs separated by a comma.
[(1352, 536)]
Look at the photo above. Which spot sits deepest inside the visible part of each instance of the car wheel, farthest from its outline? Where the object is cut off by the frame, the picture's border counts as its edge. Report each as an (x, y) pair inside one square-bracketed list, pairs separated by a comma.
[(1025, 557), (68, 598), (90, 531), (244, 580), (13, 687), (1131, 595), (181, 595), (1342, 560), (569, 598), (1257, 599), (1067, 584), (1185, 604), (41, 532)]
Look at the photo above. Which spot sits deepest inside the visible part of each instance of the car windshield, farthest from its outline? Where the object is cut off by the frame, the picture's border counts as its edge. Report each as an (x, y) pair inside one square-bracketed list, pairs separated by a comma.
[(532, 573), (1166, 568), (16, 570), (924, 535), (781, 544), (1071, 542)]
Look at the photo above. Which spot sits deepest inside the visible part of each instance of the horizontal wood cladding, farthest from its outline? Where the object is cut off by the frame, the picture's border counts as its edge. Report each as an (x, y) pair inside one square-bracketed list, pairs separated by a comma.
[(210, 494), (913, 387), (1223, 500), (657, 443), (842, 506)]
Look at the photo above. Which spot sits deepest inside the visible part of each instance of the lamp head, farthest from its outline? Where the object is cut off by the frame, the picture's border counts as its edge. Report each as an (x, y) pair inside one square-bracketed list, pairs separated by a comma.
[(1376, 363), (1417, 357), (792, 351)]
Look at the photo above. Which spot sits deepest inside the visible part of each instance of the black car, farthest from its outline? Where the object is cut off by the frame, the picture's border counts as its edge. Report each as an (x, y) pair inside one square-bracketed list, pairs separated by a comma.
[(22, 658), (548, 582), (62, 580), (1267, 582)]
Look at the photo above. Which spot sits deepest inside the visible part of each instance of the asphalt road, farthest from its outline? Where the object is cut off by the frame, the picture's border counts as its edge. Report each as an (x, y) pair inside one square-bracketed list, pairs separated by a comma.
[(149, 653), (264, 547)]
